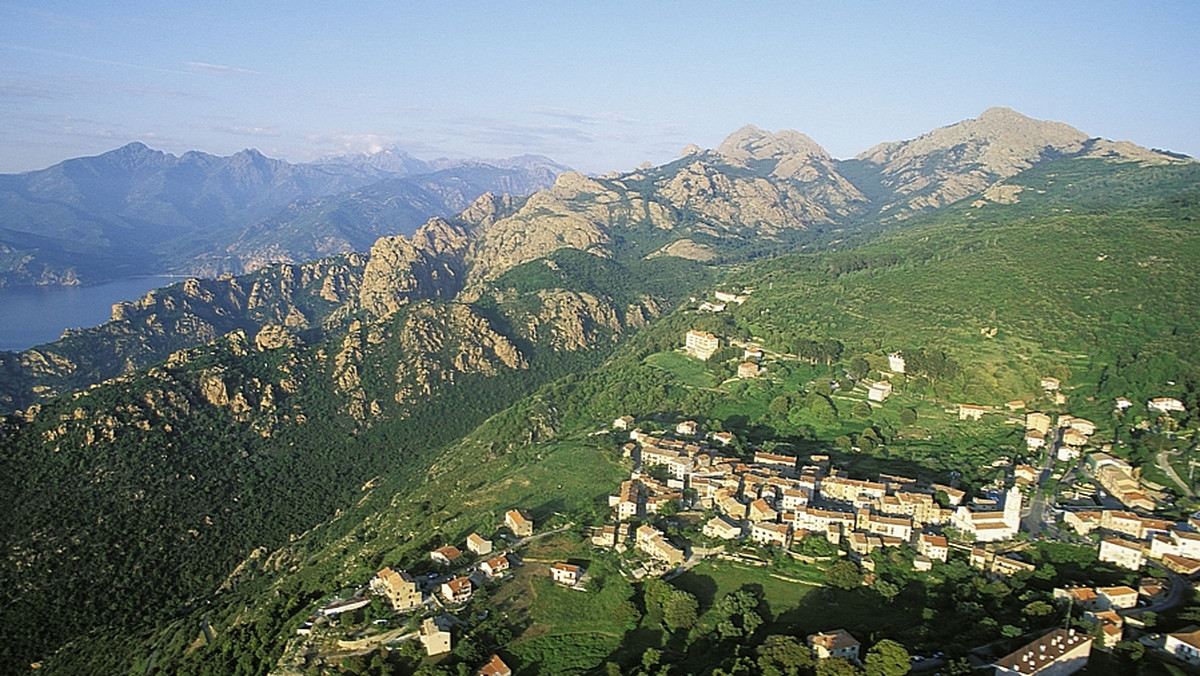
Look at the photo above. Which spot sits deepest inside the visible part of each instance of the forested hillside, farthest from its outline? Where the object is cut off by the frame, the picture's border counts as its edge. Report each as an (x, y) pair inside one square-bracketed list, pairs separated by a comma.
[(154, 486)]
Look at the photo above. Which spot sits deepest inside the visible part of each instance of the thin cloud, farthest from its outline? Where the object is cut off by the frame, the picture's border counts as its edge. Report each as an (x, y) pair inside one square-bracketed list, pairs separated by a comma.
[(341, 143), (88, 59), (583, 118), (19, 90), (219, 69), (56, 19), (247, 131)]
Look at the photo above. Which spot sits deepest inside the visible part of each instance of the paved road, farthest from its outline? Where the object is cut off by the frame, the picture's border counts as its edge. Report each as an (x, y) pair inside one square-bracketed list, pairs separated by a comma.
[(1165, 463), (1173, 598), (1032, 517)]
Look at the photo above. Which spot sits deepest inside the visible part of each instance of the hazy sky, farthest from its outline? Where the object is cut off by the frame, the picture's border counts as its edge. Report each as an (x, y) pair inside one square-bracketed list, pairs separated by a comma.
[(597, 85)]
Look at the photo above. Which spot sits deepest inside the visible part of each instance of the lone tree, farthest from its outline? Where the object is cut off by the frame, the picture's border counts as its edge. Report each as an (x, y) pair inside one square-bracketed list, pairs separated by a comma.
[(680, 611)]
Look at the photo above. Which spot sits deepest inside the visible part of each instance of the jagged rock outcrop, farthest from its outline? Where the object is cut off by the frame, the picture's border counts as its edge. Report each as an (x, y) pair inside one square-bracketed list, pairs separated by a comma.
[(441, 342), (299, 298), (273, 337), (488, 209), (575, 214), (572, 321), (400, 269)]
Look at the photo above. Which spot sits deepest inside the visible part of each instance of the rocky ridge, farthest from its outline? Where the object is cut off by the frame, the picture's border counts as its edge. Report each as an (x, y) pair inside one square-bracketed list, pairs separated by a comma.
[(964, 159), (755, 187)]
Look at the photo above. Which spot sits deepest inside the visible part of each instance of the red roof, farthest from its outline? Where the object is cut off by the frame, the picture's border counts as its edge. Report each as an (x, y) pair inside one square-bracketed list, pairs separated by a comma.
[(495, 667)]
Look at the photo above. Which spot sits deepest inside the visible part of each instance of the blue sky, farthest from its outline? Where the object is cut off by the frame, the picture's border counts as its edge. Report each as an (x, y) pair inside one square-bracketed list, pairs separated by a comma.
[(600, 86)]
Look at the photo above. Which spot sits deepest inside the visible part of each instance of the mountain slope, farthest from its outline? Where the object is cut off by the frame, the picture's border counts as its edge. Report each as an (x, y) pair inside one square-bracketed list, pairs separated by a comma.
[(331, 379), (139, 211), (963, 159), (1080, 256), (246, 441), (930, 287)]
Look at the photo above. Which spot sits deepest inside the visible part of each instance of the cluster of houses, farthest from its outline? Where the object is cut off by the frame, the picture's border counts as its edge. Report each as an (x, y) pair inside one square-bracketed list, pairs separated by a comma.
[(774, 499), (404, 592), (723, 299), (1100, 605), (1132, 538)]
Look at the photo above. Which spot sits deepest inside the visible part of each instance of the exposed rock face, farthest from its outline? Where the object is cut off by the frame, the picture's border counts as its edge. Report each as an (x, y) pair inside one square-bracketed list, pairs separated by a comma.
[(724, 202), (573, 321), (686, 248), (792, 152), (300, 298), (441, 342), (573, 214), (963, 159), (400, 270), (273, 337), (488, 209)]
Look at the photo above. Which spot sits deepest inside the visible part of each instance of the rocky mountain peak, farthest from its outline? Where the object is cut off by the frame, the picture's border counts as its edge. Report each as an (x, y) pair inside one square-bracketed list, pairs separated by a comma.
[(752, 143), (1001, 142), (129, 157), (439, 237), (965, 158), (487, 209), (787, 154)]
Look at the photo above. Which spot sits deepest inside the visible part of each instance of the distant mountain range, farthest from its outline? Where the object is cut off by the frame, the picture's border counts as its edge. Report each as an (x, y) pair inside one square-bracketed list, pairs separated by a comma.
[(137, 211)]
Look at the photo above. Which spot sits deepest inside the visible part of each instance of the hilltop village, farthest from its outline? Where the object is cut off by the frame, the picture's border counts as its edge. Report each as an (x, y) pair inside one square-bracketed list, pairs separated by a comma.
[(696, 495)]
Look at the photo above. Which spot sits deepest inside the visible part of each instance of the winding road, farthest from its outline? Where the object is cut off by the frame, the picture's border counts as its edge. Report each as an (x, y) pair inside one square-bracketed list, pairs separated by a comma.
[(1164, 464)]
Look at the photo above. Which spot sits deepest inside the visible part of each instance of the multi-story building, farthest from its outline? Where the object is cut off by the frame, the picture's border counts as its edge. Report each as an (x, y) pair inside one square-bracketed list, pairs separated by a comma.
[(495, 567), (566, 573), (445, 555), (518, 523), (478, 546), (722, 528), (850, 490), (399, 587), (701, 344), (1184, 644), (650, 540), (435, 636), (1122, 552), (1059, 653), (892, 526), (766, 533), (935, 547), (457, 590), (879, 391)]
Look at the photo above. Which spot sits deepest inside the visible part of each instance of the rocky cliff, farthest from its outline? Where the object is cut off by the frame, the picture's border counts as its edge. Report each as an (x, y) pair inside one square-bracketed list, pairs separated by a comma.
[(277, 305)]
